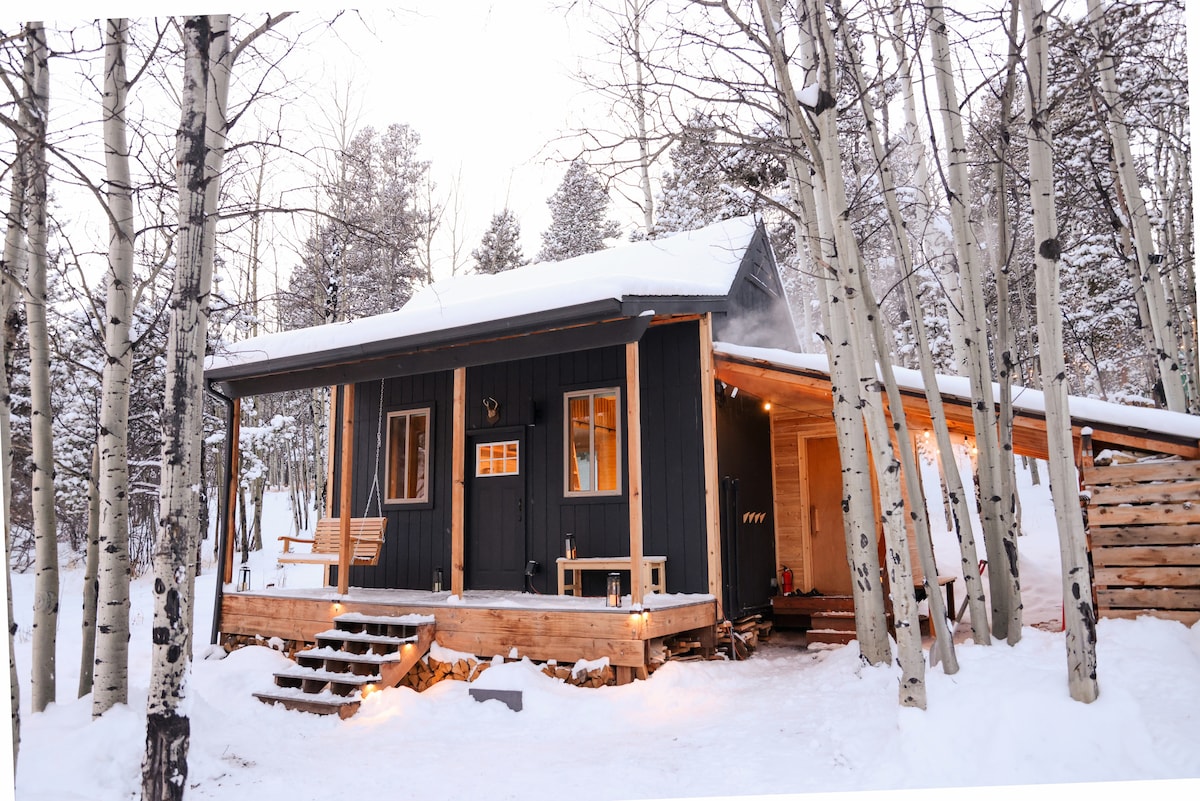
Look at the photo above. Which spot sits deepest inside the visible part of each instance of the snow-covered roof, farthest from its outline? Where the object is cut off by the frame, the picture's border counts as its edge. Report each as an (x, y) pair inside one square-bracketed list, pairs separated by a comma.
[(696, 264), (1084, 411)]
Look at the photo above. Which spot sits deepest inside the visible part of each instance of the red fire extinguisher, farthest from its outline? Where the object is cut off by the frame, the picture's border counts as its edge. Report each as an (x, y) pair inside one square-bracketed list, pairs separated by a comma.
[(786, 582)]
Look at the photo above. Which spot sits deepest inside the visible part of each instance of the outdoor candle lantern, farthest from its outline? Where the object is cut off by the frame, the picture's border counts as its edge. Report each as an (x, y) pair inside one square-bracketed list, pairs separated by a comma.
[(244, 578), (437, 579), (613, 597), (569, 550)]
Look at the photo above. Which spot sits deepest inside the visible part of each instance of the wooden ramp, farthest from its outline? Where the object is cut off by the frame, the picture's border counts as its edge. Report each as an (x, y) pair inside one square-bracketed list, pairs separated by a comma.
[(1143, 523), (361, 654)]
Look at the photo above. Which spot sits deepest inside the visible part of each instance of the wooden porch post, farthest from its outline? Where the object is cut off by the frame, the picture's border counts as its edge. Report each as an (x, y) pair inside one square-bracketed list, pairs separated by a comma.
[(235, 433), (347, 477), (331, 450), (708, 413), (458, 491), (633, 417)]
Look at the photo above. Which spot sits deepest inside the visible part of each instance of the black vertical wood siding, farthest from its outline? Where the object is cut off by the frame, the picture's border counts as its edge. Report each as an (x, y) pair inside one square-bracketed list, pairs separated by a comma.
[(418, 535), (530, 393), (744, 466), (673, 454)]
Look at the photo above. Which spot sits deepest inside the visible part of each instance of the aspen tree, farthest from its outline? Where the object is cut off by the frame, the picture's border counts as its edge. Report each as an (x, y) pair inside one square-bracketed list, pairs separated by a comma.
[(1003, 575), (1161, 322), (91, 589), (862, 553), (111, 673), (1080, 614), (168, 728), (45, 599), (842, 254)]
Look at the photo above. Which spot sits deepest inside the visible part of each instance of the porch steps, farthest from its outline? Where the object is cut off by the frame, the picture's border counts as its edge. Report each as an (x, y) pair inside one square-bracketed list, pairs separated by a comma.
[(832, 627), (361, 654)]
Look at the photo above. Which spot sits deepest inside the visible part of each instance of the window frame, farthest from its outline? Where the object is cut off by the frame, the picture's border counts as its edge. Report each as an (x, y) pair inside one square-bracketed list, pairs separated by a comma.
[(408, 414), (591, 394), (479, 446)]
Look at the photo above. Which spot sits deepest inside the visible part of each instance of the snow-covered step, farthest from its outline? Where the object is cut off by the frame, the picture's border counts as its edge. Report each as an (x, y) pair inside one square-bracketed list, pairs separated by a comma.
[(339, 655), (357, 636), (385, 620), (323, 703)]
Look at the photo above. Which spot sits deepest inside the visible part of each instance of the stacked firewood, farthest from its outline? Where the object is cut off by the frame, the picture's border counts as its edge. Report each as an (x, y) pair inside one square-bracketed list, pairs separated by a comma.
[(596, 677), (738, 639), (232, 642), (430, 671)]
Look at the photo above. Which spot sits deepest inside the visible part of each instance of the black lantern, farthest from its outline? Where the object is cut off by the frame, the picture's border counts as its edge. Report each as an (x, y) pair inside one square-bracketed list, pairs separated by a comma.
[(243, 578), (569, 549), (613, 596), (437, 579)]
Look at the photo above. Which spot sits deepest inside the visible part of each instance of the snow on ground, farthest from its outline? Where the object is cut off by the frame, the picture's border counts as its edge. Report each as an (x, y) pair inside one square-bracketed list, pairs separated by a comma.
[(788, 720)]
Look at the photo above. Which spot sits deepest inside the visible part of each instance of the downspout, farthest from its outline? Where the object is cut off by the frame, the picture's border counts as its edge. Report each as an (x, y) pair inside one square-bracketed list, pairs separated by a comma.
[(222, 513)]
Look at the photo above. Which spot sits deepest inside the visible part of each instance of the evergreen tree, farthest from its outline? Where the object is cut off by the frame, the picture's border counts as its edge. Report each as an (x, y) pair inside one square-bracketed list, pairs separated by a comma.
[(578, 216), (500, 249)]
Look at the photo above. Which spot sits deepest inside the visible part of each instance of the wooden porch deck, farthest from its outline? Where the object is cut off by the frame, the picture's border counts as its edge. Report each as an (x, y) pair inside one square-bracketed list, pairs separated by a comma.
[(485, 623)]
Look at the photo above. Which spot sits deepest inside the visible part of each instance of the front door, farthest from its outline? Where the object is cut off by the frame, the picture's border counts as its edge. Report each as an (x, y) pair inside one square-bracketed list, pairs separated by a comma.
[(495, 526), (827, 535)]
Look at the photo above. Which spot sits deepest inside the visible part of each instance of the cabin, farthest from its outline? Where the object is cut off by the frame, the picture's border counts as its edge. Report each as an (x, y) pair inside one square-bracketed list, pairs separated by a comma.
[(496, 421), (600, 458)]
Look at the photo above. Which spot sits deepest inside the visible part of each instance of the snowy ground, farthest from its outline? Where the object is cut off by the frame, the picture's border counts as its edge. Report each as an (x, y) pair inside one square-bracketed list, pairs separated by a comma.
[(786, 721)]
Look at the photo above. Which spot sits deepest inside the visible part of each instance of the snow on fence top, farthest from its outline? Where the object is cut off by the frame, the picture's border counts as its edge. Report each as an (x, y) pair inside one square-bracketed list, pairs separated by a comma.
[(700, 263), (1024, 398)]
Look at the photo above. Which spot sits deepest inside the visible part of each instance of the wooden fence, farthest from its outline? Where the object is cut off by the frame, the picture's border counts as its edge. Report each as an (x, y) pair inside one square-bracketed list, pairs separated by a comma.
[(1143, 524)]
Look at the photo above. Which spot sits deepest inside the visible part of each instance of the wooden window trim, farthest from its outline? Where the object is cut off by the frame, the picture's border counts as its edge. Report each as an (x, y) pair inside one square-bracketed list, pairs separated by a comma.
[(385, 490), (619, 425)]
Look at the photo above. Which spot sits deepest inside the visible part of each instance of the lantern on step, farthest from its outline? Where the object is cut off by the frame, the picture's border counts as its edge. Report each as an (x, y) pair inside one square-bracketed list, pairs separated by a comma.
[(437, 579), (613, 596), (569, 548), (243, 578)]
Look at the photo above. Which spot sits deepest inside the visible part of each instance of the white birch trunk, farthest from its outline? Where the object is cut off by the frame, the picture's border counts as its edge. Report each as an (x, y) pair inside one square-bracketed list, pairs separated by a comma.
[(1162, 323), (861, 541), (1077, 583), (844, 260), (635, 10), (164, 769), (959, 516), (111, 676), (10, 269), (91, 589), (1001, 547), (45, 525)]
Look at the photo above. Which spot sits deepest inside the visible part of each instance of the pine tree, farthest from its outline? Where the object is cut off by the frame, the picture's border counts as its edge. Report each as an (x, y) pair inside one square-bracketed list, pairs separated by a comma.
[(500, 249), (578, 216)]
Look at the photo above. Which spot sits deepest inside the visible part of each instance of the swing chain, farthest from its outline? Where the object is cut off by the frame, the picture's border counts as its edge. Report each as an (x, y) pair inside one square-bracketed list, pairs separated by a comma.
[(378, 448)]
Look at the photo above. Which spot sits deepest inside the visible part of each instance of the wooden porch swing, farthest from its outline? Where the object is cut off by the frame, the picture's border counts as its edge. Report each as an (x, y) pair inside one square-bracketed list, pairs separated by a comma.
[(329, 540)]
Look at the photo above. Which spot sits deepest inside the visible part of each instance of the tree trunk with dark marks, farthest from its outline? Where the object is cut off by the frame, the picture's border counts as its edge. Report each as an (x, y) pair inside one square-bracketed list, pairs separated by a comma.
[(1078, 610), (42, 680), (1003, 572), (87, 651), (862, 552), (164, 769), (111, 672)]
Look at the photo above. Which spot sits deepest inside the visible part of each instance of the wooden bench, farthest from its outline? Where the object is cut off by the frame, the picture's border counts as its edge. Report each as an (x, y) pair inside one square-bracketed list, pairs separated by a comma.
[(651, 565), (366, 538)]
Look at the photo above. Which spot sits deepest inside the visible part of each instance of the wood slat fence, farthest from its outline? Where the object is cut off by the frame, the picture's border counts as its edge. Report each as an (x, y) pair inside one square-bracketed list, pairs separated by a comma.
[(1143, 523)]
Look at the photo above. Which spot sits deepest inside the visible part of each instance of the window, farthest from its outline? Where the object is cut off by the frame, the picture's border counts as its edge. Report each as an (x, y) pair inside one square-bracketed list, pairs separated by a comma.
[(407, 456), (497, 458), (593, 443)]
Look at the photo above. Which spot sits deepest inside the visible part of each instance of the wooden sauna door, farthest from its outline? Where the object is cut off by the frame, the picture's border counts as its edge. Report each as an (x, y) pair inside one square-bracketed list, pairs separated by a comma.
[(826, 535)]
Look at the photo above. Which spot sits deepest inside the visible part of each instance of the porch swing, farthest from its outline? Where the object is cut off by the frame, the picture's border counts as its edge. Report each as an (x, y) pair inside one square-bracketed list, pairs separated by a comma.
[(366, 533)]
